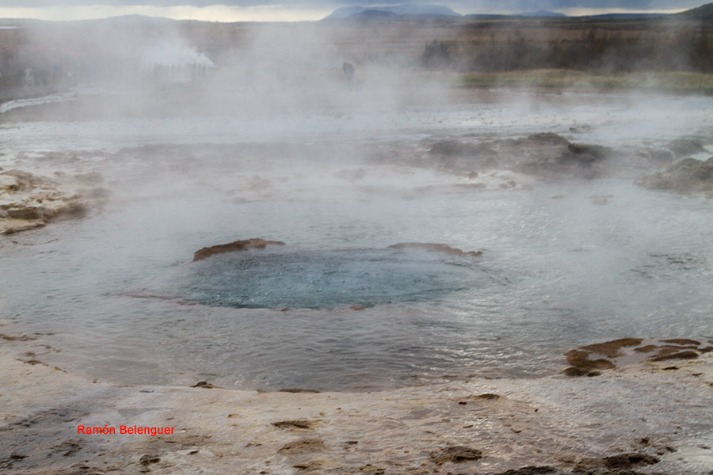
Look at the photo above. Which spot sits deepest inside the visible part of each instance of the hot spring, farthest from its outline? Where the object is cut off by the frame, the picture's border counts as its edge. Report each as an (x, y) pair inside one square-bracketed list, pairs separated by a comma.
[(324, 278), (564, 262)]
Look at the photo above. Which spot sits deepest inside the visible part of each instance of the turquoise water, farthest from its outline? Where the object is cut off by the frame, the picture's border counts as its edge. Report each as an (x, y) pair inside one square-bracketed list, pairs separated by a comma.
[(324, 278)]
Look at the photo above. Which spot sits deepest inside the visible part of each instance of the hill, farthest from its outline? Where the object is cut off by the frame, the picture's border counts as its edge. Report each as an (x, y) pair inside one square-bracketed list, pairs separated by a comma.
[(542, 14), (625, 16), (702, 13), (393, 12)]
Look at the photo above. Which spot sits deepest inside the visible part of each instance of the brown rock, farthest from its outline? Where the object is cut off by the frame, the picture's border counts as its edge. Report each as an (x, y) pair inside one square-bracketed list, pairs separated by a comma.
[(575, 372), (629, 460), (30, 201), (580, 359), (14, 226), (616, 464), (311, 465), (22, 181), (488, 396), (682, 341), (236, 246), (26, 213), (531, 470), (303, 446), (16, 338), (295, 424), (372, 470), (456, 454), (680, 355), (612, 348), (148, 459)]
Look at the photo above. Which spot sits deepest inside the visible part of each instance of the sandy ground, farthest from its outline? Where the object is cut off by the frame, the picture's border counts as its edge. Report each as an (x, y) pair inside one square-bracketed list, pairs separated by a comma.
[(623, 419)]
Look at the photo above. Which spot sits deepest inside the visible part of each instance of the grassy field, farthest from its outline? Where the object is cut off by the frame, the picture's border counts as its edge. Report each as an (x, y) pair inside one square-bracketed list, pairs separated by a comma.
[(670, 81)]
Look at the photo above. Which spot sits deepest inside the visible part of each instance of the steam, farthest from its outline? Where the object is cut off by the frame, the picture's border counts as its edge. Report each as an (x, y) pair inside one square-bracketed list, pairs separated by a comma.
[(174, 53)]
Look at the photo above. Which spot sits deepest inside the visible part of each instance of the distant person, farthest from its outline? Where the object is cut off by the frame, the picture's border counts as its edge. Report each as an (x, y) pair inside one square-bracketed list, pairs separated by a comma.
[(348, 70), (29, 78)]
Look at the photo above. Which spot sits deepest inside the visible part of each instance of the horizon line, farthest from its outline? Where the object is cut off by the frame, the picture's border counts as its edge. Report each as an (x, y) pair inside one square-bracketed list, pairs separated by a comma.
[(235, 14)]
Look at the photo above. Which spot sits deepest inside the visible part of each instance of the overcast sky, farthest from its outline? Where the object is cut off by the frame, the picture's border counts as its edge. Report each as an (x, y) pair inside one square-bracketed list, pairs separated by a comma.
[(295, 10)]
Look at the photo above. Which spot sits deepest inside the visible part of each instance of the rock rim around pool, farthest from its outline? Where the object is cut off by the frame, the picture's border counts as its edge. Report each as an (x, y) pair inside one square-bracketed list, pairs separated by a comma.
[(435, 247), (260, 243), (235, 246)]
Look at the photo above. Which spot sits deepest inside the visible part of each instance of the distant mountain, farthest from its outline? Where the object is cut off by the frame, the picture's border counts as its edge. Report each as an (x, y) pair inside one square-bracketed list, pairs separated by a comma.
[(133, 20), (624, 16), (543, 14), (374, 15), (485, 16), (423, 10), (398, 11), (702, 13), (491, 6), (535, 14), (345, 12)]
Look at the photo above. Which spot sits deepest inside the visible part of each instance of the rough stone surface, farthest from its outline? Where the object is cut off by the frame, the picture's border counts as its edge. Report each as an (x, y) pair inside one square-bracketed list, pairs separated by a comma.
[(589, 360), (29, 201), (545, 155), (455, 454)]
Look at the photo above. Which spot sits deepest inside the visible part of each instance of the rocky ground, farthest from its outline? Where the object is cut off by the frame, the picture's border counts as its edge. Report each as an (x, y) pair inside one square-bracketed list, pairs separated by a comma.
[(550, 156), (684, 176), (29, 201), (638, 417)]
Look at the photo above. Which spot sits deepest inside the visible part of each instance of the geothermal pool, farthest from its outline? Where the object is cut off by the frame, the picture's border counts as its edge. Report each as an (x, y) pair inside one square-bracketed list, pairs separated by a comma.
[(564, 263)]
